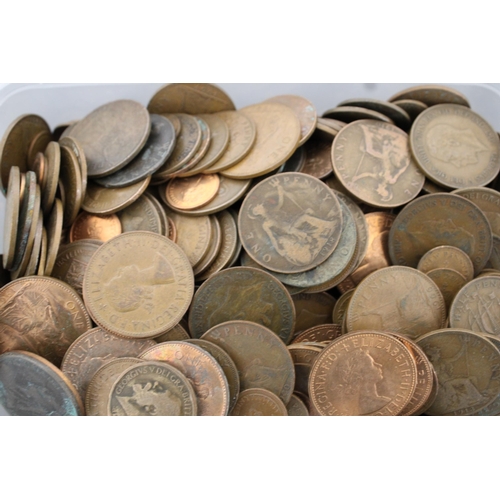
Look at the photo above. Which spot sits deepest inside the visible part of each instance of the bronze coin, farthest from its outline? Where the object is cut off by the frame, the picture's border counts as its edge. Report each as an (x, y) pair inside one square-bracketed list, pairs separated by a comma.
[(296, 162), (54, 231), (432, 95), (95, 227), (175, 121), (213, 249), (373, 162), (112, 135), (318, 158), (11, 218), (363, 373), (440, 219), (340, 308), (349, 114), (41, 315), (290, 223), (161, 212), (320, 333), (494, 261), (245, 294), (449, 283), (152, 389), (296, 407), (138, 285), (466, 364), (259, 403), (191, 98), (455, 147), (51, 176), (201, 369), (397, 299), (40, 169), (303, 357), (312, 309), (262, 359), (140, 216), (178, 332), (77, 149), (192, 192), (71, 178), (411, 106), (35, 250), (31, 386), (494, 407), (449, 257), (37, 146), (92, 350), (43, 254)]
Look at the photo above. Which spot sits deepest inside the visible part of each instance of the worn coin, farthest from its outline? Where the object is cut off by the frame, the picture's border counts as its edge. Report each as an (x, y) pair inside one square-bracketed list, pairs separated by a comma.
[(160, 211), (296, 407), (449, 257), (432, 95), (259, 403), (140, 216), (312, 309), (51, 175), (95, 227), (411, 106), (349, 114), (37, 146), (11, 218), (213, 249), (77, 149), (43, 254), (54, 231), (32, 265), (303, 357), (494, 261), (494, 407), (318, 158), (340, 308), (192, 192), (71, 178), (321, 333), (178, 332), (449, 283)]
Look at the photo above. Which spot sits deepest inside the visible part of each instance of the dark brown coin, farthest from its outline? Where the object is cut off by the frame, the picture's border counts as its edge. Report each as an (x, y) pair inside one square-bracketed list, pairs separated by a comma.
[(432, 95), (440, 219), (41, 315), (31, 386), (319, 333), (303, 357), (153, 155), (318, 158), (95, 227), (92, 350), (296, 162), (259, 403), (112, 135), (262, 359), (242, 293), (296, 407), (364, 373), (349, 114), (448, 257), (290, 223), (152, 389), (312, 309)]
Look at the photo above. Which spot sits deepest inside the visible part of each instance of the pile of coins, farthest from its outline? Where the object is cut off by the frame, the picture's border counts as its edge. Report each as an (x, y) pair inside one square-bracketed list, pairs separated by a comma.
[(191, 259)]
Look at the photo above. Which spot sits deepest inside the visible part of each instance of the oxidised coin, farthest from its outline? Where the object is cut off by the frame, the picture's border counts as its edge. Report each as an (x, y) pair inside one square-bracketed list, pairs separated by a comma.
[(449, 257), (259, 403), (432, 95), (140, 216)]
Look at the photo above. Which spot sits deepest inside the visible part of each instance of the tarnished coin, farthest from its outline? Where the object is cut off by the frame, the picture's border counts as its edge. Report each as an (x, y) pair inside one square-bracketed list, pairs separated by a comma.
[(77, 149), (397, 299), (476, 306), (112, 135), (152, 389), (440, 219), (340, 309), (312, 309), (296, 162), (37, 146), (51, 176), (373, 161), (160, 211), (319, 333), (54, 231), (140, 216), (466, 364), (262, 359), (175, 121), (100, 385), (138, 285), (243, 293), (178, 332), (153, 155), (192, 192), (411, 106), (296, 407), (16, 142), (43, 254), (303, 357), (349, 114), (432, 95), (11, 218), (31, 386), (304, 110), (259, 403), (72, 261), (201, 369), (71, 178), (494, 407), (494, 261), (92, 350), (32, 265), (278, 134), (40, 169), (290, 223), (213, 249), (318, 158), (449, 283), (95, 227), (455, 147), (172, 230), (101, 201), (363, 373), (191, 98), (242, 135), (449, 257), (41, 315)]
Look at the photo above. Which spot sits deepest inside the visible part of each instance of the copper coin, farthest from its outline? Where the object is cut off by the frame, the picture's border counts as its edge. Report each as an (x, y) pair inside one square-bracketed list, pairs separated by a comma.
[(296, 162), (213, 249), (77, 149), (161, 212), (303, 357), (31, 386), (290, 223), (259, 403), (242, 293), (320, 333), (449, 283), (140, 216), (397, 299), (35, 250), (312, 309), (112, 135), (296, 407), (71, 178), (340, 309), (494, 261), (201, 369), (43, 254), (191, 98), (11, 218), (494, 407), (364, 373), (37, 146), (152, 389), (262, 359), (54, 231), (95, 227), (349, 114), (440, 219), (431, 95), (138, 285), (192, 192), (373, 161), (40, 169), (318, 158), (449, 257), (466, 365), (52, 175), (178, 332), (411, 106), (175, 121), (92, 350), (41, 315), (455, 147)]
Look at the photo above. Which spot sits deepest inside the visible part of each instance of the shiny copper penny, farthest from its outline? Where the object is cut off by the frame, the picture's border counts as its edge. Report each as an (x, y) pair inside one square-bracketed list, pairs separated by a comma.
[(262, 359), (364, 373), (397, 299), (259, 403), (112, 135), (138, 285), (152, 389), (41, 315), (95, 227), (31, 386), (290, 223), (142, 215), (466, 364), (92, 350), (11, 219), (449, 257), (192, 192), (245, 294), (432, 95), (201, 369)]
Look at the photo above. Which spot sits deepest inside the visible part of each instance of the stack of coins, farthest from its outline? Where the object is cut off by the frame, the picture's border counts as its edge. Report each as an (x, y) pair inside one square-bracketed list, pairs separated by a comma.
[(187, 258)]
